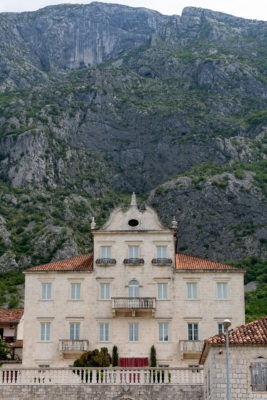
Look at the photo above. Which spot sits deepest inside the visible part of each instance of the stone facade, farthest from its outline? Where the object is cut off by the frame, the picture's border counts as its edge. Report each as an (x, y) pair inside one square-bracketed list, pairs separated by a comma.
[(240, 374), (102, 392), (162, 291)]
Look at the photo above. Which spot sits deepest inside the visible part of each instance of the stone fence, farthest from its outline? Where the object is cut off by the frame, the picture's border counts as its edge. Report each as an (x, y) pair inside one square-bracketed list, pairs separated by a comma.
[(101, 376)]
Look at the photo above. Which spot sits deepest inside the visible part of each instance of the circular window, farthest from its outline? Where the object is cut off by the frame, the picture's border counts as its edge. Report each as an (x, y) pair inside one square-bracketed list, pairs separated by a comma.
[(133, 222)]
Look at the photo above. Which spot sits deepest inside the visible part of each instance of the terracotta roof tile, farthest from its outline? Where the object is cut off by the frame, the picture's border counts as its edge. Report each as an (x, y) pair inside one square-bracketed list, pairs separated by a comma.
[(186, 262), (10, 315), (252, 333), (80, 263)]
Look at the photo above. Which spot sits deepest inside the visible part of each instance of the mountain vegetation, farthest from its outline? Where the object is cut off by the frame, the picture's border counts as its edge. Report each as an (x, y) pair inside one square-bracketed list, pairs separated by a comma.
[(100, 100)]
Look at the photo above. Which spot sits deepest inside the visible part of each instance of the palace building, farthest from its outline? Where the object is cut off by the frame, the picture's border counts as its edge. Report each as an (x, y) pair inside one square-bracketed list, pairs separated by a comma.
[(133, 291)]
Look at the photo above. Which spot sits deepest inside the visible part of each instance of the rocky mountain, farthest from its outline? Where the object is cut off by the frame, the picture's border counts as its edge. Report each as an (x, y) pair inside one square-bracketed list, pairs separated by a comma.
[(99, 100)]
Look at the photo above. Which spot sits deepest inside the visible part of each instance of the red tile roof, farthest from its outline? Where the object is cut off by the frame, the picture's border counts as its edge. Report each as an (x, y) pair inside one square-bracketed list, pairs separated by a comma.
[(80, 263), (10, 315), (186, 262), (251, 334)]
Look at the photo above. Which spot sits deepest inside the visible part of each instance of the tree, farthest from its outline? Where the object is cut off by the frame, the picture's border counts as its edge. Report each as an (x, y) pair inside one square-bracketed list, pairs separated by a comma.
[(115, 356), (153, 357), (5, 352), (94, 358)]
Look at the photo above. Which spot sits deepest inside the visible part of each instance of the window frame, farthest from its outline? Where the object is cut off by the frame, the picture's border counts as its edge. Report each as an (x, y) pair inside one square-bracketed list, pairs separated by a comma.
[(45, 331), (105, 252), (163, 329), (162, 292), (73, 292), (221, 328), (135, 289), (135, 253), (104, 332), (159, 250), (46, 294), (193, 331), (104, 291), (191, 290), (222, 291), (133, 332), (76, 333)]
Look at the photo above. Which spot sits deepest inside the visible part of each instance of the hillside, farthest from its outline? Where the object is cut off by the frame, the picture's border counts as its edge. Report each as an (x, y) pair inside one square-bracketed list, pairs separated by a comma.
[(99, 100)]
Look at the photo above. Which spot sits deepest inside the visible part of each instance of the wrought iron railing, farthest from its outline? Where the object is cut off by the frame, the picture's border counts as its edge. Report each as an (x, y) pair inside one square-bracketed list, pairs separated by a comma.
[(133, 303), (162, 261), (106, 261), (66, 345), (134, 261)]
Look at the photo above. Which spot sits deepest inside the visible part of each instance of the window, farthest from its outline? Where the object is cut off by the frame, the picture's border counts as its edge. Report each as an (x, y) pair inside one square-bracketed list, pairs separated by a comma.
[(191, 290), (103, 332), (161, 251), (133, 252), (46, 291), (45, 331), (258, 372), (222, 290), (192, 331), (163, 332), (133, 289), (133, 332), (221, 328), (106, 252), (75, 291), (104, 291), (74, 331), (162, 291)]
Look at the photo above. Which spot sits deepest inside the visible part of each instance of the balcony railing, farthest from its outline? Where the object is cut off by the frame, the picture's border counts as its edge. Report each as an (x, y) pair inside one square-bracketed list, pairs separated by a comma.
[(162, 261), (68, 346), (133, 261), (133, 303), (190, 348), (101, 376), (105, 261)]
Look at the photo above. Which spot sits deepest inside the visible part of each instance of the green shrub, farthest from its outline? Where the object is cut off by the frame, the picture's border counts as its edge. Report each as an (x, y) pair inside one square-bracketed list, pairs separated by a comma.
[(153, 357), (115, 356)]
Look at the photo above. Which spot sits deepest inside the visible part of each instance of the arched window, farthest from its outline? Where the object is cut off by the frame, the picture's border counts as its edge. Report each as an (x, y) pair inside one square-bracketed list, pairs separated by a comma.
[(133, 289)]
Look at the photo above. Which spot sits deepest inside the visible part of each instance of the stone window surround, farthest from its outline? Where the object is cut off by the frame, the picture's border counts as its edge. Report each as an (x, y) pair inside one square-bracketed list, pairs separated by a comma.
[(75, 280), (46, 280)]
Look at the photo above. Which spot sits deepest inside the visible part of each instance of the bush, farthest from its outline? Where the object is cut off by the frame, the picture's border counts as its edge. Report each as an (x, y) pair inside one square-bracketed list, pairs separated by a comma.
[(94, 358), (5, 352)]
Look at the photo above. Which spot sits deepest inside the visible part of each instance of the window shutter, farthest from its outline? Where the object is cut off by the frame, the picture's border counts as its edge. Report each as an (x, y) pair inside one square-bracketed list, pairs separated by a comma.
[(259, 376)]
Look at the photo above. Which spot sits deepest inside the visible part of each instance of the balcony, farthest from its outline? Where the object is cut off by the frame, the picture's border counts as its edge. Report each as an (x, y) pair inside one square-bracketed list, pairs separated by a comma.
[(162, 261), (133, 304), (73, 347), (105, 261), (133, 261), (190, 348)]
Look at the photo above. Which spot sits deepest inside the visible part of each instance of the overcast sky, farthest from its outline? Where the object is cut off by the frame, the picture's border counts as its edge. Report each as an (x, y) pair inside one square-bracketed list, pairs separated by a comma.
[(253, 9)]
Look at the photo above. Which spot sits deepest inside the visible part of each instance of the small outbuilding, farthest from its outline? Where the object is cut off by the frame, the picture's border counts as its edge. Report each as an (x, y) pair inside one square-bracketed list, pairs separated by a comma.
[(248, 362)]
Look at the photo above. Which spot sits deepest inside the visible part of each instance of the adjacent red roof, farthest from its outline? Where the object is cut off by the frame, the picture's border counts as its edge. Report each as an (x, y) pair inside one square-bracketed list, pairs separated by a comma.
[(80, 263), (253, 333), (186, 262), (10, 315)]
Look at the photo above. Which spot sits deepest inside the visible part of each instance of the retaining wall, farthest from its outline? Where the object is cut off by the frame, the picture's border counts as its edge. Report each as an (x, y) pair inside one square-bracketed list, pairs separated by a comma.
[(103, 392)]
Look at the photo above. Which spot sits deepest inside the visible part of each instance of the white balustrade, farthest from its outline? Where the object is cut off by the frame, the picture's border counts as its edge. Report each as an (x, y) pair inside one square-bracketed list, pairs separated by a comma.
[(101, 376)]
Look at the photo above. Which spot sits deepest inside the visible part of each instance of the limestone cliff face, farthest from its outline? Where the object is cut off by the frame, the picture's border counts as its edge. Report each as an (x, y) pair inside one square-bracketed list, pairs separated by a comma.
[(99, 100)]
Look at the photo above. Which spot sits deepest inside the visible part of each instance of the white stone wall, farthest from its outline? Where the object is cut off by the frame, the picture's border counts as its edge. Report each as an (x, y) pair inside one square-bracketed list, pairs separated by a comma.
[(177, 311), (240, 378)]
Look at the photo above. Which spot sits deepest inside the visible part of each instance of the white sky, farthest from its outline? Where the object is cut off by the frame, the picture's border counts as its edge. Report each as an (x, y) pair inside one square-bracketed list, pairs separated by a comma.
[(252, 9)]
